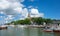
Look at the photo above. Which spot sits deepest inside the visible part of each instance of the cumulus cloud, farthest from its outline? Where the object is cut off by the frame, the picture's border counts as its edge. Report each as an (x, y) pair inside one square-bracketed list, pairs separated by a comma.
[(15, 0), (14, 7), (25, 12), (2, 12), (9, 6), (30, 7), (3, 4), (35, 13), (9, 17)]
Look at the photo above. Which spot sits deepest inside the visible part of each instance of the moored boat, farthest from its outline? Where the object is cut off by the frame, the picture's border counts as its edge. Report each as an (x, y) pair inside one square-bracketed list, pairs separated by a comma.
[(47, 30), (56, 30), (3, 27), (52, 30)]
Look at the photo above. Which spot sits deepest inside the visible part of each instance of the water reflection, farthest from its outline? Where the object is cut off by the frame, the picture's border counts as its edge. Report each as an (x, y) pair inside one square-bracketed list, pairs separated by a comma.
[(17, 31), (57, 34)]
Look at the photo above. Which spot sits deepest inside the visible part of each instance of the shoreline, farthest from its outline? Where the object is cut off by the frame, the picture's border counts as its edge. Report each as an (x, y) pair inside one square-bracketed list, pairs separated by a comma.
[(35, 26)]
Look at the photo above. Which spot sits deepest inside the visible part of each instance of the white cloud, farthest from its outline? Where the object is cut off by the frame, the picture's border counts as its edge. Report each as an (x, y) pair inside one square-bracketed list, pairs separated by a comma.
[(16, 0), (30, 7), (6, 21), (4, 4), (2, 12), (13, 7), (9, 17), (8, 6), (25, 12), (41, 14), (18, 9), (35, 13)]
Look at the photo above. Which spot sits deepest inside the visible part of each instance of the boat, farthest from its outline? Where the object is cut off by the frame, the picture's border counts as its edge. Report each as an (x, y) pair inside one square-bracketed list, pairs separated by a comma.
[(52, 30), (56, 30), (3, 27), (47, 30)]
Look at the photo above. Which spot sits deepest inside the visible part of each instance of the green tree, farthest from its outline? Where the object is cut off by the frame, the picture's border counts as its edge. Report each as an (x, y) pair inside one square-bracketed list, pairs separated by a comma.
[(38, 20), (22, 22), (48, 21)]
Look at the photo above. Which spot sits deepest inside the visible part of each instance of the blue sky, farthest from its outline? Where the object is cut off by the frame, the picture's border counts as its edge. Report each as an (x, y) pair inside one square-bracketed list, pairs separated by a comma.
[(18, 9), (50, 8)]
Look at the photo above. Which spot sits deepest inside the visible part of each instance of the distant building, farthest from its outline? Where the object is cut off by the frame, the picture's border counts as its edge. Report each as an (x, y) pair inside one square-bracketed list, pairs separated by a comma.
[(56, 22)]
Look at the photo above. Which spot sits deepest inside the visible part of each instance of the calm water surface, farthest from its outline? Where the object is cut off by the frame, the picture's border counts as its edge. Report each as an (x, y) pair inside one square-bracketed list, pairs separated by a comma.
[(19, 31)]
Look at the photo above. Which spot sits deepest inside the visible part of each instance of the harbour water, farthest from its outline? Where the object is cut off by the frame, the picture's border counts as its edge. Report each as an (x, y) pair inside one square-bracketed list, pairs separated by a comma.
[(22, 31)]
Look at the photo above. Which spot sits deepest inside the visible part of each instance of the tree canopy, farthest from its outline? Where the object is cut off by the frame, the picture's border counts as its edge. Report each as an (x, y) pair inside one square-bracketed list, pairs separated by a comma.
[(38, 21)]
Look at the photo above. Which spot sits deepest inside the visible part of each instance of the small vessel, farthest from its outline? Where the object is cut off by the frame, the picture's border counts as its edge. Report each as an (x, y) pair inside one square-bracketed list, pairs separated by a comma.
[(3, 27), (56, 30), (52, 30), (47, 30)]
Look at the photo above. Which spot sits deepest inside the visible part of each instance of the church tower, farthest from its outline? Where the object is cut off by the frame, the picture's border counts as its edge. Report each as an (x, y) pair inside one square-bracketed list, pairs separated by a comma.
[(29, 17)]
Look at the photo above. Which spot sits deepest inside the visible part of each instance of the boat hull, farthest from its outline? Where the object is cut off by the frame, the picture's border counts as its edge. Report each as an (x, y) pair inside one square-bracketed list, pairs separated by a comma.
[(47, 30), (56, 30), (1, 28), (51, 30)]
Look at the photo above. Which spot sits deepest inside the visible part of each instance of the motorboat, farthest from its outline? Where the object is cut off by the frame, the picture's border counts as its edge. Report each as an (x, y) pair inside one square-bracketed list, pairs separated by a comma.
[(56, 30), (47, 30), (3, 27), (52, 30)]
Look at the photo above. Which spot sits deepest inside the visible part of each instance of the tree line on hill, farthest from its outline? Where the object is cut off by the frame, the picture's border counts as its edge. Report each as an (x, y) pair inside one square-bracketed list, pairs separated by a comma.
[(27, 21)]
